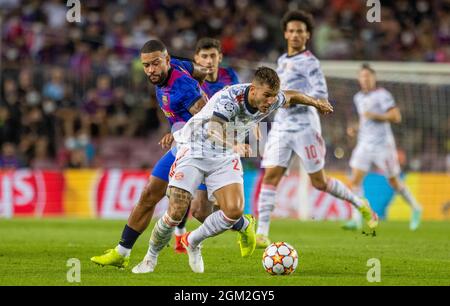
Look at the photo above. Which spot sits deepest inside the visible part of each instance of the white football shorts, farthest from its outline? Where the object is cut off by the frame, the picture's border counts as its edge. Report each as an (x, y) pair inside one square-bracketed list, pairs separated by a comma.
[(308, 144), (385, 159), (188, 172)]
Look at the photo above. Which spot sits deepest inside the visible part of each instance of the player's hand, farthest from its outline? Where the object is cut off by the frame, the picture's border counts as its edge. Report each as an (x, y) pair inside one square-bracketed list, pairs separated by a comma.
[(243, 150), (204, 69), (324, 107), (166, 141)]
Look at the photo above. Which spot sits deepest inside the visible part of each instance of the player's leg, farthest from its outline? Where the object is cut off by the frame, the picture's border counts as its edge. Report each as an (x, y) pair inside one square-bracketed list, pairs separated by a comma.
[(311, 149), (360, 163), (224, 181), (266, 203), (162, 232), (180, 230), (357, 178), (141, 215), (416, 208), (184, 180), (230, 199), (277, 155), (336, 188), (201, 208), (389, 164)]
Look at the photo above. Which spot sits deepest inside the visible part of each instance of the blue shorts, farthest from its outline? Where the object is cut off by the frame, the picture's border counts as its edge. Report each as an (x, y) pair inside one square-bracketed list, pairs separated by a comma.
[(162, 167)]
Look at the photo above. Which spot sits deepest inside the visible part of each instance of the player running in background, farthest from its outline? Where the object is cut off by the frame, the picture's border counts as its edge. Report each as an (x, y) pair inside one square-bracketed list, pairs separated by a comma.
[(297, 129), (208, 54), (180, 97), (376, 144), (207, 152)]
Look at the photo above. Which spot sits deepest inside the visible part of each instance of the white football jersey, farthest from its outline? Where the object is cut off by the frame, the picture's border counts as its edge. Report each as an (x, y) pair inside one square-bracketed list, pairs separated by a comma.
[(302, 73), (374, 134), (230, 104)]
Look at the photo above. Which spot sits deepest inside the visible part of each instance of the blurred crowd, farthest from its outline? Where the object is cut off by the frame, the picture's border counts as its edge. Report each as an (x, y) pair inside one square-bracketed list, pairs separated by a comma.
[(67, 88)]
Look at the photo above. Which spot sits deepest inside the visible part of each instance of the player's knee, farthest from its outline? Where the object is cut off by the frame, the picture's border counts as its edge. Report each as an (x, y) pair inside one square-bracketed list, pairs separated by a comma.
[(176, 215), (395, 184), (200, 215), (234, 213), (319, 184), (271, 178), (200, 212)]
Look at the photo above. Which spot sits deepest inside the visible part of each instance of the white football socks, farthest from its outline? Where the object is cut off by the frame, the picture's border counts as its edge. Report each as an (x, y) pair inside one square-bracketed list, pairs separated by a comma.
[(266, 205)]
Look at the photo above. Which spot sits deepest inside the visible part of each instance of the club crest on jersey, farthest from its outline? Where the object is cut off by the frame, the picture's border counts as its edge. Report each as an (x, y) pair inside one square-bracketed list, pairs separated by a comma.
[(168, 114), (179, 176)]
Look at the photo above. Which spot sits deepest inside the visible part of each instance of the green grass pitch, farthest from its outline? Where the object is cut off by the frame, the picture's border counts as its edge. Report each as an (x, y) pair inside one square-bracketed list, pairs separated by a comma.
[(35, 252)]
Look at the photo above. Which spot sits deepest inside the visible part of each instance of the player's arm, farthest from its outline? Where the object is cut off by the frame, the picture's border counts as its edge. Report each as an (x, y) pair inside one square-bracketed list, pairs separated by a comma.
[(392, 115), (191, 96), (294, 97), (217, 133), (168, 139), (197, 106)]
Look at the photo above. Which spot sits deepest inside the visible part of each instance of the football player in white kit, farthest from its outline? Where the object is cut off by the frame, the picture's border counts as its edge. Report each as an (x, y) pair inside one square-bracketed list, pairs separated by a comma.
[(376, 144), (297, 129), (208, 147)]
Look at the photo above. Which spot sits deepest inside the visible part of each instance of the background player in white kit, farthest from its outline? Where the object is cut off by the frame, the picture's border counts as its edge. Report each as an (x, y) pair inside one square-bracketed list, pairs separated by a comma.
[(376, 144), (207, 147), (297, 128)]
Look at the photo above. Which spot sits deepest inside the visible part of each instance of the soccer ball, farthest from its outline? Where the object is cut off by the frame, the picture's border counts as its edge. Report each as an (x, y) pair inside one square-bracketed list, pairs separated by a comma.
[(280, 258)]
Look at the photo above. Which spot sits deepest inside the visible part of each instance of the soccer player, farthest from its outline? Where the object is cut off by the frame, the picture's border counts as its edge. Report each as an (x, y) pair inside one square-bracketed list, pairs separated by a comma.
[(207, 147), (297, 129), (180, 97), (208, 54), (376, 144)]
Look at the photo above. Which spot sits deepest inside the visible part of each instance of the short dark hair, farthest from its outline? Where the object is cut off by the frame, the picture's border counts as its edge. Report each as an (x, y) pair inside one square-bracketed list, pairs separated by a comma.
[(208, 43), (366, 66), (266, 75), (153, 46), (298, 15)]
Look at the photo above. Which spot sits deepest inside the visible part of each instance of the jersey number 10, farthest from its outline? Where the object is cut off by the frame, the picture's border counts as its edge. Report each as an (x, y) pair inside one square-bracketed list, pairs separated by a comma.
[(311, 152)]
